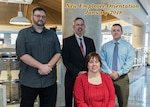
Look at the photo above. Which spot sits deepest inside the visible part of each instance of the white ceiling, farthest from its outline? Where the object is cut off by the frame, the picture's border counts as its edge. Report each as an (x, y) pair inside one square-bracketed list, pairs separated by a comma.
[(139, 16), (146, 5)]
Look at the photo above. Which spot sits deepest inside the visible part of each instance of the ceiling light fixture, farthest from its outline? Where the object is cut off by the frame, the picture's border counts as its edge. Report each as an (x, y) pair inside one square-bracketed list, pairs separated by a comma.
[(106, 30), (19, 20)]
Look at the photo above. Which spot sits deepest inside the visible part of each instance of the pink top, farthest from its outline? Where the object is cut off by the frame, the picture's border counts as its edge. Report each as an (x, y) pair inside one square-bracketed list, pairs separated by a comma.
[(90, 95)]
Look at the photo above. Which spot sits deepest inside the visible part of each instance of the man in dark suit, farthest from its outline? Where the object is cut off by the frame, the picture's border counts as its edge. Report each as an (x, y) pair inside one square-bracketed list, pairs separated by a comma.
[(75, 48)]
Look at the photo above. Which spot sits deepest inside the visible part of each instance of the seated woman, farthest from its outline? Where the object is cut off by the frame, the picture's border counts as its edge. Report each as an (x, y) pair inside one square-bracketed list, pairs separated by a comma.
[(94, 88)]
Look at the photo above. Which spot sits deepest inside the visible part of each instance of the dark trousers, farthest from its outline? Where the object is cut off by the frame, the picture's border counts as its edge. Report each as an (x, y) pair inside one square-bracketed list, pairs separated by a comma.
[(47, 96), (69, 83), (122, 90)]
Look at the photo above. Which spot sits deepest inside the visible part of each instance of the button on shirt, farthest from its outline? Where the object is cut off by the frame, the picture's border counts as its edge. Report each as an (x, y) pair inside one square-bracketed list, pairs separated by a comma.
[(126, 55)]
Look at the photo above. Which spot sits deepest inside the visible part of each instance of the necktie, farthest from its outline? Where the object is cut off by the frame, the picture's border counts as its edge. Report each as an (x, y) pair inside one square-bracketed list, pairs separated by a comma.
[(81, 46), (115, 56)]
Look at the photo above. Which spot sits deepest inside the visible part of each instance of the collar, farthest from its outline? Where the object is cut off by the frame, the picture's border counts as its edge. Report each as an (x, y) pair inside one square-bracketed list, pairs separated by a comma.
[(77, 37), (33, 29), (119, 41)]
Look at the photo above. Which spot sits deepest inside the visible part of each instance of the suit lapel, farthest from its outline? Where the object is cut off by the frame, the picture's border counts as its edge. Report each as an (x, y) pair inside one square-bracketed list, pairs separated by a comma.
[(86, 45)]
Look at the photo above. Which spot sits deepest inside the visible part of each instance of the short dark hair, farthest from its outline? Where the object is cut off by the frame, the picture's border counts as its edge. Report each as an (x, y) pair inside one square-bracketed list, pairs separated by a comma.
[(92, 55), (117, 25), (38, 9), (77, 18)]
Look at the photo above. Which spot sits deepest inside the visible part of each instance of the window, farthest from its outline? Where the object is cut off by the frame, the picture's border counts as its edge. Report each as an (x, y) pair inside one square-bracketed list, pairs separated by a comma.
[(106, 38), (13, 38), (60, 37), (1, 38)]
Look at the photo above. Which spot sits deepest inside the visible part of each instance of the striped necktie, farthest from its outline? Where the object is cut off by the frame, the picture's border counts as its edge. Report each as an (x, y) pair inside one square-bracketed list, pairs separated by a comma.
[(81, 46)]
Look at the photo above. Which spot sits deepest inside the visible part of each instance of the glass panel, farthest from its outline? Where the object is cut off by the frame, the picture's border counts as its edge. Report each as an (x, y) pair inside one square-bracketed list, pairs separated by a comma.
[(106, 38), (1, 38), (13, 38)]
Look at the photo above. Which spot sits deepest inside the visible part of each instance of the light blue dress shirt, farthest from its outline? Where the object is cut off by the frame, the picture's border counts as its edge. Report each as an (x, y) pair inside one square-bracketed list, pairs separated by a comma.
[(126, 56)]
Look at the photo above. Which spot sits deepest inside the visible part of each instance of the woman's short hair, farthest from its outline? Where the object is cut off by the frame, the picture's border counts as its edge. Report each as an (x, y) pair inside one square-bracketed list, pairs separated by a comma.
[(92, 55)]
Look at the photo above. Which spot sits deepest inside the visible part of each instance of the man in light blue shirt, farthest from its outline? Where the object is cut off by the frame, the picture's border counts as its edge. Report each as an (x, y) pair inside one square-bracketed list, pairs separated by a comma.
[(124, 61)]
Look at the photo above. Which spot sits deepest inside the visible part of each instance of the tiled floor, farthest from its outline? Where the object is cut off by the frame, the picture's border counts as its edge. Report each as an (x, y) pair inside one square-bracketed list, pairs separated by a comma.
[(139, 91)]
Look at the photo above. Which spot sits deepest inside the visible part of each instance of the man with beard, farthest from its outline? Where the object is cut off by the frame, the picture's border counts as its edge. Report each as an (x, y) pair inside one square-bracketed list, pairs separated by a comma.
[(38, 51), (75, 48)]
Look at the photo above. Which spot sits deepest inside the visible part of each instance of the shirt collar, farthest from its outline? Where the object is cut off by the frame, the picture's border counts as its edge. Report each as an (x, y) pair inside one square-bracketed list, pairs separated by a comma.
[(33, 29), (119, 41), (77, 37)]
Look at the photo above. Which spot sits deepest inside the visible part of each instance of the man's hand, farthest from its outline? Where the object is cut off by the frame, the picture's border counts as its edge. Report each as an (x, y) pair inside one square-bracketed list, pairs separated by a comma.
[(44, 69), (114, 75)]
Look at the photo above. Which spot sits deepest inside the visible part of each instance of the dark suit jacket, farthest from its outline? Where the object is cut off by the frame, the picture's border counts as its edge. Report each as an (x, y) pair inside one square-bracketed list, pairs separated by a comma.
[(72, 56)]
